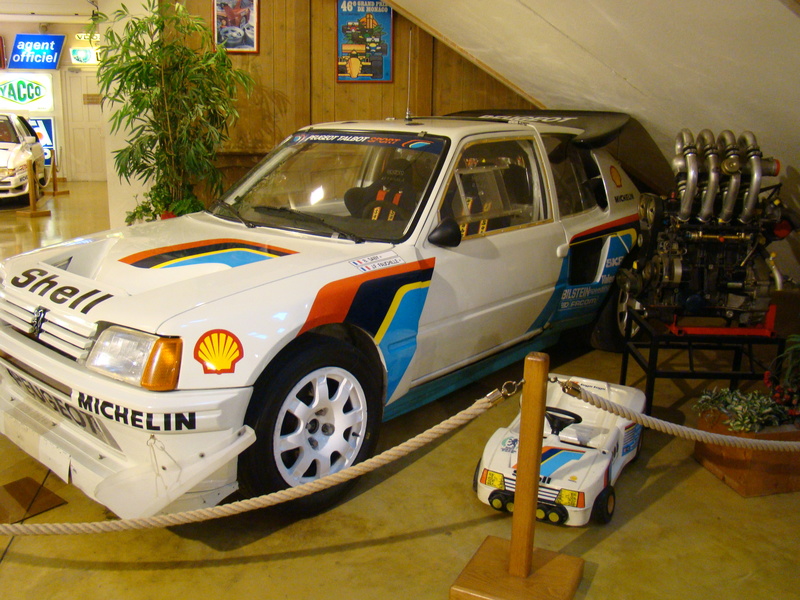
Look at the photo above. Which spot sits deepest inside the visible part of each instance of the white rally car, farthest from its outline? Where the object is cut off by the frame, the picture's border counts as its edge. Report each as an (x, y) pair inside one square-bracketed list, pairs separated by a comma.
[(18, 145), (583, 453), (360, 270)]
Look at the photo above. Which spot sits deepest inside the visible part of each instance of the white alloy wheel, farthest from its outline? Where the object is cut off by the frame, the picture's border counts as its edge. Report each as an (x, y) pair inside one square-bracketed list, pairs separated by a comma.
[(320, 426)]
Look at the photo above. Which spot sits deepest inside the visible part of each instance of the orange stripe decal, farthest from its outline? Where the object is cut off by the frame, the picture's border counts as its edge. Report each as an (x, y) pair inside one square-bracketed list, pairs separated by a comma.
[(334, 299)]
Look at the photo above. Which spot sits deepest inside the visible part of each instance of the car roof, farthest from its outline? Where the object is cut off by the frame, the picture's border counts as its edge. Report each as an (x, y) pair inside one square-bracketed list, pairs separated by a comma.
[(448, 126)]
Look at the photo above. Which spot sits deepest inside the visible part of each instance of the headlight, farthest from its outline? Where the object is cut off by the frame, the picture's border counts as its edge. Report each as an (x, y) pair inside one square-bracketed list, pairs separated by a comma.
[(6, 172), (571, 498), (493, 479), (137, 358)]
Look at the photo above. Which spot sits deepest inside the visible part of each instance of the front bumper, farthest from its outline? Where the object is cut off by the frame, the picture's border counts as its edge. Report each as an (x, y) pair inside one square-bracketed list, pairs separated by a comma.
[(16, 185), (137, 452)]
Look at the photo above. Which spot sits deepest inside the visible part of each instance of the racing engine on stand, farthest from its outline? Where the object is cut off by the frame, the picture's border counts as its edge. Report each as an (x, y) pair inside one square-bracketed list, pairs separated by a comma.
[(703, 249)]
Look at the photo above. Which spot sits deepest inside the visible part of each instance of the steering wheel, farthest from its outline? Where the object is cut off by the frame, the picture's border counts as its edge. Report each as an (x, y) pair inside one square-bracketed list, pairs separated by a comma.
[(559, 419), (366, 212)]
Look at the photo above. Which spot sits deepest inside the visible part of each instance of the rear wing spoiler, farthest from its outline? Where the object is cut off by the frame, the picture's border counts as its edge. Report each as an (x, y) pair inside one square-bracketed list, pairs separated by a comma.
[(619, 133)]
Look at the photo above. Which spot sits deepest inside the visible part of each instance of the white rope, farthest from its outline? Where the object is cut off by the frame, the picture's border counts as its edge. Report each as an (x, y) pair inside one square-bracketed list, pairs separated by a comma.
[(573, 389), (235, 508), (478, 408)]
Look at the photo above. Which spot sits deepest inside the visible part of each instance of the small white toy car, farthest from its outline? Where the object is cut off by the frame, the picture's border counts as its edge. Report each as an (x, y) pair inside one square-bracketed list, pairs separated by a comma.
[(19, 144), (583, 453)]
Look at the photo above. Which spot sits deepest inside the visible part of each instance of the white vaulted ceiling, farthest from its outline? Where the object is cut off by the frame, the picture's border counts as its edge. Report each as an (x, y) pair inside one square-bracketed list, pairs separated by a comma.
[(671, 64)]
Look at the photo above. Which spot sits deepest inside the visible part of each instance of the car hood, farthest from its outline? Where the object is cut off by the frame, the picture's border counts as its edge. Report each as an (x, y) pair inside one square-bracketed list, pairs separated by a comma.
[(147, 274), (9, 154), (562, 465)]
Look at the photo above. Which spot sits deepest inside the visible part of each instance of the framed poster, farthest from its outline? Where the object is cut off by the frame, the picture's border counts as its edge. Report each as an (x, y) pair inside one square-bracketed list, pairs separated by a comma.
[(364, 38), (236, 25)]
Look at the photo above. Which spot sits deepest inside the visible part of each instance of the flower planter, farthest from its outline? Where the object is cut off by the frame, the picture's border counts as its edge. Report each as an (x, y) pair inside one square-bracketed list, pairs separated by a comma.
[(750, 472)]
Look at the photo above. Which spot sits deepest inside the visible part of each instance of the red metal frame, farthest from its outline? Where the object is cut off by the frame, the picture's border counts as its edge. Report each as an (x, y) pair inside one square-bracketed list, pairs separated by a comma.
[(765, 329)]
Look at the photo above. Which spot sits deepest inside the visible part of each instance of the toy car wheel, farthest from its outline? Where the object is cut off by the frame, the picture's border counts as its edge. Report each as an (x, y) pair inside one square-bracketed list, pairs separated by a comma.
[(502, 501), (316, 411), (604, 504)]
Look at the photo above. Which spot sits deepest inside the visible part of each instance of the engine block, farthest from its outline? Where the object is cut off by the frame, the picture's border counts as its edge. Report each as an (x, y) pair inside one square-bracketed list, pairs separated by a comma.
[(702, 250)]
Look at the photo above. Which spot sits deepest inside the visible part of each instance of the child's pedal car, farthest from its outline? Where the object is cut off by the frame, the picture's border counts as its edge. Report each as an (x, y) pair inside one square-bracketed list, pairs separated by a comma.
[(583, 453)]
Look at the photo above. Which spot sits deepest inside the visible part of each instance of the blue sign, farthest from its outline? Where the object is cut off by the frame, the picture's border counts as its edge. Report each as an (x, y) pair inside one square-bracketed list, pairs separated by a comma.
[(35, 51), (43, 126)]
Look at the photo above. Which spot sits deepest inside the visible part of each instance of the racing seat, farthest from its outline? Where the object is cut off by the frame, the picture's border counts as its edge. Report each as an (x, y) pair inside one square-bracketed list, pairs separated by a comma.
[(390, 197)]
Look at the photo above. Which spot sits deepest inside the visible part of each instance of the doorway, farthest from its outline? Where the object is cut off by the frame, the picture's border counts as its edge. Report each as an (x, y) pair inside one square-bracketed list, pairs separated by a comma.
[(83, 157)]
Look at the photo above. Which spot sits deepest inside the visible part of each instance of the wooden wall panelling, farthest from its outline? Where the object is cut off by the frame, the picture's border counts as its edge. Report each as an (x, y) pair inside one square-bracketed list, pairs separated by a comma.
[(323, 60), (295, 74), (460, 85)]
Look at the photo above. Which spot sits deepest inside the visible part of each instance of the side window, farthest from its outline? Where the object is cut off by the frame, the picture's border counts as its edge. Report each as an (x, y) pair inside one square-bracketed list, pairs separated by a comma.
[(577, 179), (495, 186)]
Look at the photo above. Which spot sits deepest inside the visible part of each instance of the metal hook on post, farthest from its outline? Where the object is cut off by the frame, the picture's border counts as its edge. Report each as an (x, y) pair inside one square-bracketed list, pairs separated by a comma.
[(516, 569)]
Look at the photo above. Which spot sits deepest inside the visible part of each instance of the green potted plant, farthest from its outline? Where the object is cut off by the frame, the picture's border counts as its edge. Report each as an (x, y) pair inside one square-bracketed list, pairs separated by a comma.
[(173, 92), (741, 412), (770, 415)]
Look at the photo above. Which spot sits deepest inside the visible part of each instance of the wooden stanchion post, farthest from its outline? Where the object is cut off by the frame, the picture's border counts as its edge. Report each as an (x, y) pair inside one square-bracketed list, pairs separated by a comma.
[(33, 196), (54, 168), (503, 570)]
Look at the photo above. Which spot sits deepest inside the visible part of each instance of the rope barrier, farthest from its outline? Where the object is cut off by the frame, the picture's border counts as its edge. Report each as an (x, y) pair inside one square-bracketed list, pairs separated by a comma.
[(573, 389), (479, 407), (226, 510)]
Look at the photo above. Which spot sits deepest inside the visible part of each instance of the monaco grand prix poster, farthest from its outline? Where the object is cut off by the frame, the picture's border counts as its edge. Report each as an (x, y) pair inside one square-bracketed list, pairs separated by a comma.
[(364, 41)]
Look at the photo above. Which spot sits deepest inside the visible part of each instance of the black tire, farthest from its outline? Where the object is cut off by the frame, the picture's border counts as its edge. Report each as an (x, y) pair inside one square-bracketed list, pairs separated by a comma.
[(604, 505), (303, 429), (609, 330)]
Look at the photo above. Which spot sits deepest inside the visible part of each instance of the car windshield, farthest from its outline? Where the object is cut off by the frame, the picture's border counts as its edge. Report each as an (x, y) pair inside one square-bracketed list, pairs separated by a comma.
[(8, 134), (356, 185)]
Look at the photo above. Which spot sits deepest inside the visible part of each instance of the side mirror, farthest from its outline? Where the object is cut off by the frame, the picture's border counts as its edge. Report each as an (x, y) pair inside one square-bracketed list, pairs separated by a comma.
[(30, 140), (447, 234)]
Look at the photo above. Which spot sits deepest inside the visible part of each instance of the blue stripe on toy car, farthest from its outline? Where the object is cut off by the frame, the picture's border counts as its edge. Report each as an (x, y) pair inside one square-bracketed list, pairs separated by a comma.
[(555, 458)]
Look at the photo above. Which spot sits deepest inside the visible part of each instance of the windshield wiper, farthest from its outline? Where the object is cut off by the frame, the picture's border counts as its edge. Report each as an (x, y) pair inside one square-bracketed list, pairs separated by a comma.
[(311, 218), (232, 211)]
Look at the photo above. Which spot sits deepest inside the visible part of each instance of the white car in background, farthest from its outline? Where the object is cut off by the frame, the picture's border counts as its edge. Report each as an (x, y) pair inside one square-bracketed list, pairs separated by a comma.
[(362, 269), (18, 145)]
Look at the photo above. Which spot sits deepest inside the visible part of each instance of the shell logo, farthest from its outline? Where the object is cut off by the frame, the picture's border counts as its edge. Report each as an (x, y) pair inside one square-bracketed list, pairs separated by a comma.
[(615, 176), (218, 351)]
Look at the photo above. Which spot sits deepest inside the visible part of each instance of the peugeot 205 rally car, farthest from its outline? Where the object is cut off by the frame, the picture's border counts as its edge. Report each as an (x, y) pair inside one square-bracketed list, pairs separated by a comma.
[(360, 270), (583, 453)]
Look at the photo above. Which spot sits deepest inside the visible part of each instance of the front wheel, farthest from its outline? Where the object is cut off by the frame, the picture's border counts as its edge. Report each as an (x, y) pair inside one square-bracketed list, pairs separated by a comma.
[(604, 505), (316, 411)]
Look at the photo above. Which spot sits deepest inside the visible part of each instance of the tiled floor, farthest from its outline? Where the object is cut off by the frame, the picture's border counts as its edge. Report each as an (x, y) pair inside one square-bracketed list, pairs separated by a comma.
[(410, 528)]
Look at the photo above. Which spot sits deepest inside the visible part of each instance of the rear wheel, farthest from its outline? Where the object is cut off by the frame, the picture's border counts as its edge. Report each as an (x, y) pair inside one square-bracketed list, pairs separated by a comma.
[(609, 331), (316, 411)]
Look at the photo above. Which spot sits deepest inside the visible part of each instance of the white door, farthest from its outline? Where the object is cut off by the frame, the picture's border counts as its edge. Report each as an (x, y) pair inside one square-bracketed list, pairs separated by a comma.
[(487, 292), (83, 157)]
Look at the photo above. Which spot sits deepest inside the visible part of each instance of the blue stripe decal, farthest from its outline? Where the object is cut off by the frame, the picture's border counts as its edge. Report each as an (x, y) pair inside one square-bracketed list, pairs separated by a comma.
[(555, 458), (230, 258), (398, 341)]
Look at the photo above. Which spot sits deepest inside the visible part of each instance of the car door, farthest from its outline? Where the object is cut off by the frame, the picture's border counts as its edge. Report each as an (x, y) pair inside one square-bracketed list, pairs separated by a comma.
[(487, 292)]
